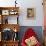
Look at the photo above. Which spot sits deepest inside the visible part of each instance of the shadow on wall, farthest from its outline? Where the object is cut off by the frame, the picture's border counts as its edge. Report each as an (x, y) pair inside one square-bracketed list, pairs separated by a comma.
[(37, 29)]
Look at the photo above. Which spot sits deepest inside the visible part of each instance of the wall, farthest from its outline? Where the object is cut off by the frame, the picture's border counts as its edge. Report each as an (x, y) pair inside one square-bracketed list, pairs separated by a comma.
[(37, 4), (24, 4)]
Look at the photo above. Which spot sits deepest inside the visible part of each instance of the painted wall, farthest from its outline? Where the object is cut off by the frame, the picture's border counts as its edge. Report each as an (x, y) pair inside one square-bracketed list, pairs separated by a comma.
[(24, 4)]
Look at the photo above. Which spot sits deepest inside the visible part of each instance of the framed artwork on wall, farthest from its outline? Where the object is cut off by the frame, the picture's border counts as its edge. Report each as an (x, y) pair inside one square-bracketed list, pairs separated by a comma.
[(30, 12), (5, 12)]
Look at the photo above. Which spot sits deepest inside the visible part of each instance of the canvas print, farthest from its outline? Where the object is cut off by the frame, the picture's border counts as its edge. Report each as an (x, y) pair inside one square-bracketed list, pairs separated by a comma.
[(30, 13), (5, 12)]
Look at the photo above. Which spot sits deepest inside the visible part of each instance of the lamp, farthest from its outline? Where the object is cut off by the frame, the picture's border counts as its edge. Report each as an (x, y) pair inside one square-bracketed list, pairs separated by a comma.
[(15, 3), (15, 30)]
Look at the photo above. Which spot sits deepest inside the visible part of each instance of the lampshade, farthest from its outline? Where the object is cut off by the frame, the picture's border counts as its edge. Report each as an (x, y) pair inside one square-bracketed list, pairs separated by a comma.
[(15, 30)]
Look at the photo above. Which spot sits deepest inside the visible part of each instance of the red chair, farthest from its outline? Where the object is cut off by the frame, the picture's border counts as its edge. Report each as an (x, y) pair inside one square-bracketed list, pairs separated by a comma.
[(29, 33)]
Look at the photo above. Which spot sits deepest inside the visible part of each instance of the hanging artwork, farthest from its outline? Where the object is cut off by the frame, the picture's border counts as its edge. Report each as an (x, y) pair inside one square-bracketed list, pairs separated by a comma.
[(30, 12)]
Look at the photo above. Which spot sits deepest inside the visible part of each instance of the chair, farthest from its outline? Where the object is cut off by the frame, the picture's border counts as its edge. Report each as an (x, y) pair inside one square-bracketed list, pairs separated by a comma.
[(29, 33)]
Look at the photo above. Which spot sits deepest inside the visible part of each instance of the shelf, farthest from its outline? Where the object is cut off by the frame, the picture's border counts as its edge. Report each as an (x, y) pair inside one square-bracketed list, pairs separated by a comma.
[(11, 41), (6, 12), (9, 10), (10, 26), (7, 16), (10, 19)]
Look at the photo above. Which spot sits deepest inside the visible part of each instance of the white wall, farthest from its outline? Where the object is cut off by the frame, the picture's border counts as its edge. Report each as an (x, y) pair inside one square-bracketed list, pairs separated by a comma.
[(24, 4)]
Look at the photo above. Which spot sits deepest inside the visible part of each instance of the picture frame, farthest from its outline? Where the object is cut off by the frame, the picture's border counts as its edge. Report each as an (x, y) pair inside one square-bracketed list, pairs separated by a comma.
[(5, 12), (30, 12)]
